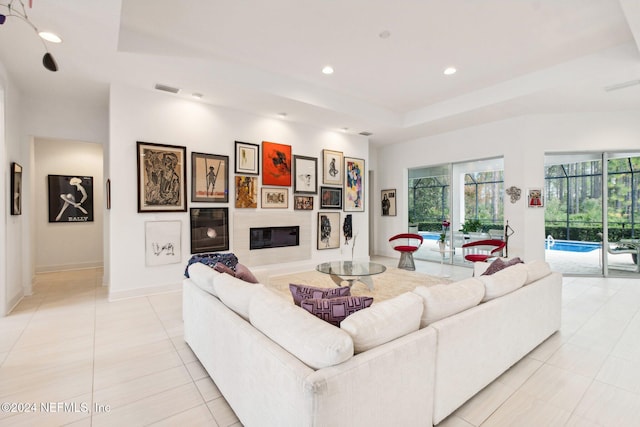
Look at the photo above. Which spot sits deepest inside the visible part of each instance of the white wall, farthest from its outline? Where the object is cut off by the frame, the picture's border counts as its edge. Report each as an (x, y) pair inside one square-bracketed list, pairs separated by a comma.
[(12, 278), (67, 245), (137, 115), (522, 141)]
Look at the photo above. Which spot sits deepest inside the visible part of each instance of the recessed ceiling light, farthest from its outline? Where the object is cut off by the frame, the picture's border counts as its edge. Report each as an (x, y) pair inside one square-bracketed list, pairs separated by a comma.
[(197, 95), (328, 69), (384, 34), (50, 37), (345, 130), (450, 70), (282, 115)]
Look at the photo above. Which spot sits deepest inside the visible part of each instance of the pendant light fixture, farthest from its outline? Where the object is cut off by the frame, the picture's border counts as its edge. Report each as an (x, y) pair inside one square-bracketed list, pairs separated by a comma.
[(16, 9)]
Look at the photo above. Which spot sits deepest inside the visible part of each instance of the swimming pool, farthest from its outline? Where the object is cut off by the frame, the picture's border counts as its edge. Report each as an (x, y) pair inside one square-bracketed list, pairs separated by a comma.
[(573, 246)]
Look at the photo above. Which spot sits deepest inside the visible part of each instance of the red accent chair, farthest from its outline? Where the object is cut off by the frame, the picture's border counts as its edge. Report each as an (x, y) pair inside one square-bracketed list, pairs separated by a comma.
[(481, 250), (406, 244)]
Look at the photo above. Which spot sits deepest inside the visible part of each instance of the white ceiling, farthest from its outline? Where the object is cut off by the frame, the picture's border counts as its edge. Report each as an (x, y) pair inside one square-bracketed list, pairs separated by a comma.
[(513, 57)]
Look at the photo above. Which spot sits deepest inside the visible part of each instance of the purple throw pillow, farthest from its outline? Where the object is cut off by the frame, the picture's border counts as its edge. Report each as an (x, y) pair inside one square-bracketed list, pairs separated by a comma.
[(221, 268), (498, 264), (302, 292), (243, 273), (335, 310)]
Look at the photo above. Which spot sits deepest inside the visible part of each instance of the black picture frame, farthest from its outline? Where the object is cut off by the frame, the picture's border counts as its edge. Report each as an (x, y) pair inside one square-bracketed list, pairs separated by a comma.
[(70, 198), (330, 197), (247, 158), (209, 178), (162, 177), (305, 170), (209, 229), (16, 189)]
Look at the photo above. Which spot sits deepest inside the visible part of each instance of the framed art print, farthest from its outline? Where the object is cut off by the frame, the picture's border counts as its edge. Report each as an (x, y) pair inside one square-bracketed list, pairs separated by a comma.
[(275, 198), (70, 198), (328, 230), (162, 178), (305, 175), (303, 203), (332, 167), (276, 164), (330, 198), (162, 242), (389, 202), (16, 189), (209, 229), (535, 198), (353, 184), (246, 191), (247, 158), (209, 178)]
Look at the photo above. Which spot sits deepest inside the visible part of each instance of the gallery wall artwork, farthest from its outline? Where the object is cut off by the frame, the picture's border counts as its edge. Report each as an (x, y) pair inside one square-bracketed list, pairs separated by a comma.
[(305, 175), (246, 191), (276, 164), (16, 189), (353, 184), (70, 198), (303, 203), (209, 178), (332, 162), (274, 197), (247, 158), (162, 177), (535, 198), (389, 202), (328, 230), (162, 242), (209, 229), (330, 198)]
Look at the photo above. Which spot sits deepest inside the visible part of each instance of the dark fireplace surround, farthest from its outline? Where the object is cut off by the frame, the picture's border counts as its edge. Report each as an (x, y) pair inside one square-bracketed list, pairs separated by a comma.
[(274, 237)]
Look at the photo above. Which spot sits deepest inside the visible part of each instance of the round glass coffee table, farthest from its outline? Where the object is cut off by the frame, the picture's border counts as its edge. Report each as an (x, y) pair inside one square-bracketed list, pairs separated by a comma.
[(351, 271)]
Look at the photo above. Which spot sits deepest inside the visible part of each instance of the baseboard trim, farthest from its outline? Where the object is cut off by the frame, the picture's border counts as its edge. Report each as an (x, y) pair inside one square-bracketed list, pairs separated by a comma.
[(143, 292), (67, 267)]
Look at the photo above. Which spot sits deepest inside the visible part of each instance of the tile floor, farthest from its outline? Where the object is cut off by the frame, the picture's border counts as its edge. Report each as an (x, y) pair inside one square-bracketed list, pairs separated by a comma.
[(85, 361)]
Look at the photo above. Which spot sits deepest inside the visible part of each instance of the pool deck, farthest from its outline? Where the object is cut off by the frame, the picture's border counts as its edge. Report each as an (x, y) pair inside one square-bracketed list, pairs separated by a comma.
[(568, 263)]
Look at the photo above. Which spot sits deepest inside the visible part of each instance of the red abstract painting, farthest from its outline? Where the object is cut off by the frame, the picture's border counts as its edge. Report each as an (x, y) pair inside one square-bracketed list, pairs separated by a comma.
[(276, 164)]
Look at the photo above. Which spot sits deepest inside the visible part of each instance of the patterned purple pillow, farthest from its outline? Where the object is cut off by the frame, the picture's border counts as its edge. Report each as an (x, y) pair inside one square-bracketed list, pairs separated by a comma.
[(335, 310), (302, 292), (498, 264), (243, 273)]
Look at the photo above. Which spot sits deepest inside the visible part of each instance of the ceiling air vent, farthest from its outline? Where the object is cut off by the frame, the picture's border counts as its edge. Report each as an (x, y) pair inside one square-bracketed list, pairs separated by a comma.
[(166, 88), (365, 133)]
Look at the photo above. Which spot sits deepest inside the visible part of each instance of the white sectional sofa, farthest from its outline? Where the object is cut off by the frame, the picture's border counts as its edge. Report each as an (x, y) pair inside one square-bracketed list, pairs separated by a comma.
[(278, 365)]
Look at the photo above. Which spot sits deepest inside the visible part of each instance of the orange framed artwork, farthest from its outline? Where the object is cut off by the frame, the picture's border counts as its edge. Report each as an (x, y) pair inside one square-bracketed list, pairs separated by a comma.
[(276, 164)]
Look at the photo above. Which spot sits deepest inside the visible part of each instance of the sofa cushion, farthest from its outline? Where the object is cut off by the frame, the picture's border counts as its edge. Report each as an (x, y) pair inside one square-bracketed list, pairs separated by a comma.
[(500, 264), (235, 293), (335, 310), (503, 282), (384, 321), (442, 301), (314, 342), (537, 269), (302, 292), (203, 276)]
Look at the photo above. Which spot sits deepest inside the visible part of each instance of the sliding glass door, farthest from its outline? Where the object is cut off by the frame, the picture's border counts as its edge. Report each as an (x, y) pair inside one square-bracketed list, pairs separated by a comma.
[(591, 213), (460, 201)]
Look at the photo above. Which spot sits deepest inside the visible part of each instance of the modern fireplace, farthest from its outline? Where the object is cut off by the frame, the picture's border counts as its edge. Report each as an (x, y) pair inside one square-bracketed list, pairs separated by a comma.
[(273, 237)]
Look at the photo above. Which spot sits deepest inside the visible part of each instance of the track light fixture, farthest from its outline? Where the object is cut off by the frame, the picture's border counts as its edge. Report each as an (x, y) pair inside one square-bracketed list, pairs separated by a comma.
[(16, 9)]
